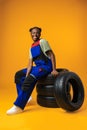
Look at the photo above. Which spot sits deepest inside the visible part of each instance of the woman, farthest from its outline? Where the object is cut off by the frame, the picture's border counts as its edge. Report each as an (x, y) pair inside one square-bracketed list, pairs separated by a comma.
[(43, 57)]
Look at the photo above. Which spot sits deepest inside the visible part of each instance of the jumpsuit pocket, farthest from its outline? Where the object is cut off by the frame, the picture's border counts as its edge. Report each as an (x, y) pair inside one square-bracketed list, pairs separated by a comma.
[(39, 72)]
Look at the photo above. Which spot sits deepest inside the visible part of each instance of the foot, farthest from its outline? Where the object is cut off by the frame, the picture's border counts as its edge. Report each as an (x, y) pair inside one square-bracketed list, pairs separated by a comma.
[(14, 110), (30, 98)]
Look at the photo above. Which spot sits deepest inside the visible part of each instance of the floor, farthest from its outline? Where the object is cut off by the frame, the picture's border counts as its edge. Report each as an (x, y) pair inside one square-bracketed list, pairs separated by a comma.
[(38, 117)]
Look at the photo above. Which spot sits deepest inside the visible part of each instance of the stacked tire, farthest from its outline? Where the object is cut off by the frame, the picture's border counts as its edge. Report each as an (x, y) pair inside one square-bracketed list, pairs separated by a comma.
[(56, 92), (45, 90), (67, 101)]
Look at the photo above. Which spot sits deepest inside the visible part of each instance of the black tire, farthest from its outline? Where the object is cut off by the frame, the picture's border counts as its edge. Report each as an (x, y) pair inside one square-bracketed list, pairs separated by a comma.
[(49, 102), (47, 90), (49, 79), (60, 89)]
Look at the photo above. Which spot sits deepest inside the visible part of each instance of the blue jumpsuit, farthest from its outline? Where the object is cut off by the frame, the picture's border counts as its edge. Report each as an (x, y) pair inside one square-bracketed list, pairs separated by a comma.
[(25, 85)]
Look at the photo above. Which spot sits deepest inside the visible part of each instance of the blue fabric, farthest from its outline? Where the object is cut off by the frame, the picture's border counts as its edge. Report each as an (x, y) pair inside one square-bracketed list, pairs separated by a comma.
[(41, 69), (35, 51), (23, 96)]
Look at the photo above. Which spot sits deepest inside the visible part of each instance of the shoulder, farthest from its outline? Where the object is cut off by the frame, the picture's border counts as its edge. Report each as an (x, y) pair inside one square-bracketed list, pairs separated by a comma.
[(43, 42), (44, 45)]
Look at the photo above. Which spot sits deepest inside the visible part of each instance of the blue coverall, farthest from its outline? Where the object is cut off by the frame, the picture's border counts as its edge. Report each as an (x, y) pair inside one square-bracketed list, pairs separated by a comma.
[(25, 85)]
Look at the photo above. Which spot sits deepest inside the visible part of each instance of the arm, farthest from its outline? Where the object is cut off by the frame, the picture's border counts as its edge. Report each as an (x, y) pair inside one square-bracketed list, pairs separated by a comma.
[(53, 60), (29, 66), (47, 49)]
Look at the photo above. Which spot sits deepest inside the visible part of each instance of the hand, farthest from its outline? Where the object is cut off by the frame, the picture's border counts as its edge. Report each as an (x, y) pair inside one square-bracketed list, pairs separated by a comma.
[(26, 74), (54, 72)]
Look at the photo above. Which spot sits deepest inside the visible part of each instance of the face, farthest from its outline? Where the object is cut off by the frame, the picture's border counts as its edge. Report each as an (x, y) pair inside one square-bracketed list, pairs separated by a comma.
[(35, 34)]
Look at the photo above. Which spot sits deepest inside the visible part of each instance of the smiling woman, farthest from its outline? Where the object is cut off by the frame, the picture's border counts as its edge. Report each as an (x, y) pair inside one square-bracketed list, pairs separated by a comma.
[(35, 33), (26, 78)]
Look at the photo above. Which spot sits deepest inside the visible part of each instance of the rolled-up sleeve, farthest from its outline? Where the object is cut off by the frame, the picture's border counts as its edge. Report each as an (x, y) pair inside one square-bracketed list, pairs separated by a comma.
[(44, 45)]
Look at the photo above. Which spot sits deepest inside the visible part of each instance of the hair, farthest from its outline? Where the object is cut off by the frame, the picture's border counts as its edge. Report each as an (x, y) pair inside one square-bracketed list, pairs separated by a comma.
[(35, 28)]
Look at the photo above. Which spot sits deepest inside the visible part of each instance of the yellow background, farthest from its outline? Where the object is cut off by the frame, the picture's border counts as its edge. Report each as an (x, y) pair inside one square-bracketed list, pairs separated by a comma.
[(64, 25)]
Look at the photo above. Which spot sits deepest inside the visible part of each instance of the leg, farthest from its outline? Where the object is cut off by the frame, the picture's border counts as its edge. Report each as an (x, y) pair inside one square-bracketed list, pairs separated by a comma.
[(29, 84), (23, 96), (19, 79), (25, 92), (27, 88)]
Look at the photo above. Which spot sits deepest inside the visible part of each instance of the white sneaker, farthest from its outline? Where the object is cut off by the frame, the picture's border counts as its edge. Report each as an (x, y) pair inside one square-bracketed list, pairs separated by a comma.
[(14, 110), (30, 98)]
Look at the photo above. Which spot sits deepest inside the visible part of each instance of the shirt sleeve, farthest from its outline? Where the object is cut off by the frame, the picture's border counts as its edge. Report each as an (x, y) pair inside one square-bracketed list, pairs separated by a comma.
[(44, 45), (30, 55)]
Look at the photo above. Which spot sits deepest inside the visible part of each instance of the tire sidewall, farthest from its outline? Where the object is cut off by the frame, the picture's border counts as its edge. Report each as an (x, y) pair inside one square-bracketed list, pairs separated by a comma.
[(60, 91)]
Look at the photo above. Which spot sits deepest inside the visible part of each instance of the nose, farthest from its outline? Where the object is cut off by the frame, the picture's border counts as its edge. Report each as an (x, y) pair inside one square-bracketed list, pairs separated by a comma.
[(34, 34)]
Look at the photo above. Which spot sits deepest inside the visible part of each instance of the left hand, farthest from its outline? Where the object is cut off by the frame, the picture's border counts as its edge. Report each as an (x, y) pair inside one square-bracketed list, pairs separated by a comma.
[(54, 72)]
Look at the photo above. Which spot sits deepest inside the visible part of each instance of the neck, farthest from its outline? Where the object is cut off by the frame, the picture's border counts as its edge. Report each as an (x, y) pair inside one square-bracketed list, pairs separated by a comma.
[(36, 40)]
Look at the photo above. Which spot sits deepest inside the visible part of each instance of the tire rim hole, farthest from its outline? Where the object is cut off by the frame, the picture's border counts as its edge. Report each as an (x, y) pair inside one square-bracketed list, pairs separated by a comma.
[(72, 91)]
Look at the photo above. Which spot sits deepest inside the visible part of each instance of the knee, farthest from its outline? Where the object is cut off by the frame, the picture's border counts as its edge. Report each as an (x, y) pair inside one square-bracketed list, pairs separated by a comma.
[(29, 83), (18, 76)]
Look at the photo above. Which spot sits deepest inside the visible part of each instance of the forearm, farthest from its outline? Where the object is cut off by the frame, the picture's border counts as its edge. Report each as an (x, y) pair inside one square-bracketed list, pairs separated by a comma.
[(53, 60), (28, 70), (29, 67)]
